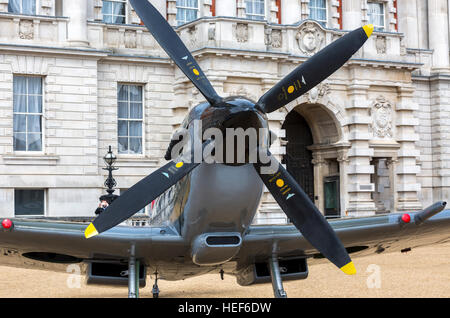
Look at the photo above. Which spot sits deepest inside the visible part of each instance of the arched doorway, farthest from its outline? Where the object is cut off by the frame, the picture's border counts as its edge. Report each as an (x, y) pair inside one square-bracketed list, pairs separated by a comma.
[(298, 157)]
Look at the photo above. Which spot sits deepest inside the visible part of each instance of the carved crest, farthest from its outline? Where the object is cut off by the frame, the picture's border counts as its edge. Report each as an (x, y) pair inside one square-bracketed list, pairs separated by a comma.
[(318, 92), (26, 29), (242, 32), (276, 39), (130, 39), (310, 38), (212, 32), (381, 118), (243, 91), (192, 31), (380, 44)]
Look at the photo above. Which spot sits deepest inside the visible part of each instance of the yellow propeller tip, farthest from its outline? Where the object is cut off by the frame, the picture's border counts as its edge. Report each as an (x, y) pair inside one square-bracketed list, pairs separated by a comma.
[(90, 231), (349, 269), (368, 29)]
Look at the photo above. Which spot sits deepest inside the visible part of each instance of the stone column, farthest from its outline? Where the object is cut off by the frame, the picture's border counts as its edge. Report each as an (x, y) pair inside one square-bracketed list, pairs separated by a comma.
[(290, 11), (406, 167), (407, 22), (77, 26), (343, 161), (225, 8), (161, 6), (172, 12), (391, 164), (438, 29), (359, 170), (351, 14), (3, 5), (440, 136), (319, 166), (240, 9)]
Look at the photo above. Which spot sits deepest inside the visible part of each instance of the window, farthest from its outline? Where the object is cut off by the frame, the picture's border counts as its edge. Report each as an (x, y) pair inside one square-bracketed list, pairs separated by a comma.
[(22, 6), (29, 202), (27, 113), (254, 9), (376, 15), (130, 119), (318, 11), (114, 11), (187, 10)]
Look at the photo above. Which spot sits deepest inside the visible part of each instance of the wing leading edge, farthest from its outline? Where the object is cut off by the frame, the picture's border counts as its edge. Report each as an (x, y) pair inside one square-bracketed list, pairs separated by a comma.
[(360, 236)]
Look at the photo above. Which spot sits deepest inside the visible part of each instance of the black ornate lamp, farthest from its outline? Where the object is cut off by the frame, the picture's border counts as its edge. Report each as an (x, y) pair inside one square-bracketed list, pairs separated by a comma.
[(110, 183)]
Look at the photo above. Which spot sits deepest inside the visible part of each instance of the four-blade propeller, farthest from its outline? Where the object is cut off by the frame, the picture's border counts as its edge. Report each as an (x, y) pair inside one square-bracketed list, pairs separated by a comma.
[(286, 191)]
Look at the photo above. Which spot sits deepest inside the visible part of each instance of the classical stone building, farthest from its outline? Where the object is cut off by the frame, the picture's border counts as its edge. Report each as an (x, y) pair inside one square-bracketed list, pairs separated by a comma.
[(78, 76)]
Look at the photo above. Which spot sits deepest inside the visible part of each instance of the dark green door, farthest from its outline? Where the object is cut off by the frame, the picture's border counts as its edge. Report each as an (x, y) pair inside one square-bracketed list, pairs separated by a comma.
[(331, 196)]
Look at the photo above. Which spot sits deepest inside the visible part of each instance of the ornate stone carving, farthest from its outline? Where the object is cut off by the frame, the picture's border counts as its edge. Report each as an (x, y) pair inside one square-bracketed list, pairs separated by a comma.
[(273, 38), (242, 91), (318, 159), (130, 39), (276, 39), (381, 113), (380, 44), (318, 92), (242, 32), (26, 29), (212, 32), (310, 38), (192, 31), (342, 157)]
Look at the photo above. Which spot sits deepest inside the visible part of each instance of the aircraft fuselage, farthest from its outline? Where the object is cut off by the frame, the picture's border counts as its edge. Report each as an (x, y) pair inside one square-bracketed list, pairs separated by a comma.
[(214, 204)]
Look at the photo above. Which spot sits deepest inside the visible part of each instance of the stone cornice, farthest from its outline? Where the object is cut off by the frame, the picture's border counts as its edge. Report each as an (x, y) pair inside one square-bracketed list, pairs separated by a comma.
[(9, 15), (47, 50), (112, 57), (300, 58)]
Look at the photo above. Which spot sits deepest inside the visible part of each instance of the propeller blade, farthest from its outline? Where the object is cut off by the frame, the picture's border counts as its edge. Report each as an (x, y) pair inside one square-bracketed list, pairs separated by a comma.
[(174, 47), (314, 70), (139, 196), (305, 216)]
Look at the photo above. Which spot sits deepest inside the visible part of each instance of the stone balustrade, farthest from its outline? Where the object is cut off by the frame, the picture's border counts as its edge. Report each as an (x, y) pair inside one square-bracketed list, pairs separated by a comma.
[(33, 30)]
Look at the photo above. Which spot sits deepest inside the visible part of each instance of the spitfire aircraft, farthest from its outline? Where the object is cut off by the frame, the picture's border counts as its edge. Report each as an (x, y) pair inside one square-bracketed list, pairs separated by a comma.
[(202, 217)]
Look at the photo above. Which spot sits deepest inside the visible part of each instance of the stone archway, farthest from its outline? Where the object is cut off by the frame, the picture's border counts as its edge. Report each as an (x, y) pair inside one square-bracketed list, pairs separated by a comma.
[(315, 155)]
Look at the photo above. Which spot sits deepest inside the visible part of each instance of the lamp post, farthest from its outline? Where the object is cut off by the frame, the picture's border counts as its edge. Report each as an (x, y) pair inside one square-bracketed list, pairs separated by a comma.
[(110, 183)]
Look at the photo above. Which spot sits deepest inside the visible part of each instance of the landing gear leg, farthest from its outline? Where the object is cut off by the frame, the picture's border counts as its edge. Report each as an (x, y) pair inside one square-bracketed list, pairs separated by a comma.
[(133, 275), (155, 289), (277, 282)]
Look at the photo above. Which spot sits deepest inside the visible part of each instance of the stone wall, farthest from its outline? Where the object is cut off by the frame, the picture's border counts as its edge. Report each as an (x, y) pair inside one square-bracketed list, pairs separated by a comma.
[(386, 111)]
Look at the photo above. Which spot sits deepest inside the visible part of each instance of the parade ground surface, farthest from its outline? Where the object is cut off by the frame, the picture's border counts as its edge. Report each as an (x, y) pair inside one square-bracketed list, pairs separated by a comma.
[(422, 272)]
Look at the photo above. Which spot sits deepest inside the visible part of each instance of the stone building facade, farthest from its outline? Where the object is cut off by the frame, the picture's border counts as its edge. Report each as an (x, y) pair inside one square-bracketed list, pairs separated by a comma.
[(78, 76)]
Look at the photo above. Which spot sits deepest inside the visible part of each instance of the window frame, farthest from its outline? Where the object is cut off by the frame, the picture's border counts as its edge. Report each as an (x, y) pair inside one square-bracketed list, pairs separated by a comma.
[(31, 152), (251, 15), (142, 120), (325, 22), (187, 8), (125, 2), (45, 203), (383, 10), (38, 5)]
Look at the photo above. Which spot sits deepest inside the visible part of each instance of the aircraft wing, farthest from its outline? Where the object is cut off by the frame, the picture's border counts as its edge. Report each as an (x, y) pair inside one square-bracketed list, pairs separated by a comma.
[(360, 236), (52, 244)]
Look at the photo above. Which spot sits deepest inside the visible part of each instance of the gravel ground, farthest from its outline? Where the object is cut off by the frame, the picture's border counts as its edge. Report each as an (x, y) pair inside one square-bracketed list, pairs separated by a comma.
[(423, 272)]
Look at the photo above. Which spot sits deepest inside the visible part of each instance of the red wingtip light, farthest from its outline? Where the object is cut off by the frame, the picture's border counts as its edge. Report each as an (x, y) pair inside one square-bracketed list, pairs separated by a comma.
[(7, 224), (406, 218)]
